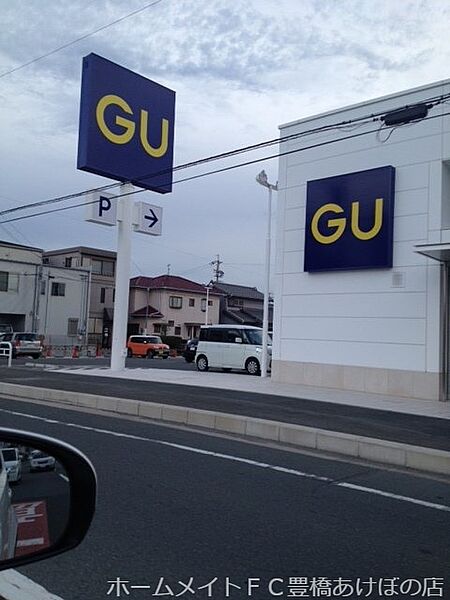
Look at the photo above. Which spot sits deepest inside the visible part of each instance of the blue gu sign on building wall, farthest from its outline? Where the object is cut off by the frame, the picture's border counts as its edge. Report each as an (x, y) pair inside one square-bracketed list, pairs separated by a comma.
[(350, 220), (126, 126)]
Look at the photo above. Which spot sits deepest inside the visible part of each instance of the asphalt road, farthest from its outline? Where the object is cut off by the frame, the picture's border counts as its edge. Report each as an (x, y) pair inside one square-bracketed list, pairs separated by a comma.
[(191, 507), (386, 425)]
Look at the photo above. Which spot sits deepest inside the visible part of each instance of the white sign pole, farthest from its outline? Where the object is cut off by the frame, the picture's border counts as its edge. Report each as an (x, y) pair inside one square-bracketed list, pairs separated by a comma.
[(123, 270)]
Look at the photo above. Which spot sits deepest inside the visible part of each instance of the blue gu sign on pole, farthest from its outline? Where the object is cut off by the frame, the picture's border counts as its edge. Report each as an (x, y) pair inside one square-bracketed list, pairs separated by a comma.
[(126, 133), (350, 220), (126, 126)]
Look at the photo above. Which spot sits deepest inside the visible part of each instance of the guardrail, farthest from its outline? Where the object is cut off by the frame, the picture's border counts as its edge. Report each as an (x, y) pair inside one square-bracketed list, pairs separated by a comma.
[(6, 350)]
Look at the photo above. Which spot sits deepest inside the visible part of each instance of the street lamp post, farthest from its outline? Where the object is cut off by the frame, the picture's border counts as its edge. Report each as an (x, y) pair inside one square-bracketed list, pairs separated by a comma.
[(262, 180), (208, 287)]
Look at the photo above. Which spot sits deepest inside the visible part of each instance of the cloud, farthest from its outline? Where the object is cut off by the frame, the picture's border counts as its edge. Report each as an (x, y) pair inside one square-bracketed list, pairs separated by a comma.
[(239, 68)]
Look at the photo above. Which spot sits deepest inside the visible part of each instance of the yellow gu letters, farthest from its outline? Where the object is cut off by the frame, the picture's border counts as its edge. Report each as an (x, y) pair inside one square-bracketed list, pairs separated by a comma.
[(129, 126), (336, 226)]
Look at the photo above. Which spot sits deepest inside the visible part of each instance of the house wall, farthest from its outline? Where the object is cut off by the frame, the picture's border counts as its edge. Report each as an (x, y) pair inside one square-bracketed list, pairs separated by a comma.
[(371, 330), (17, 304), (54, 312), (181, 317)]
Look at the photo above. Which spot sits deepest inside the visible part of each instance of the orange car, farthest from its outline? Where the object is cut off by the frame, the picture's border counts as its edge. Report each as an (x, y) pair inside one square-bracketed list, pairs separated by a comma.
[(147, 345)]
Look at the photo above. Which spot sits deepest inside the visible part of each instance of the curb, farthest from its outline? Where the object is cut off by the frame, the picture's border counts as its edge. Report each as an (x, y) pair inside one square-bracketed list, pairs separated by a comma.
[(372, 449)]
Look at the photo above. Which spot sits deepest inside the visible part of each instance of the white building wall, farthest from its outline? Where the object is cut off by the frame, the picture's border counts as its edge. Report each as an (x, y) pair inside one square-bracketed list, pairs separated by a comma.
[(55, 311), (384, 322)]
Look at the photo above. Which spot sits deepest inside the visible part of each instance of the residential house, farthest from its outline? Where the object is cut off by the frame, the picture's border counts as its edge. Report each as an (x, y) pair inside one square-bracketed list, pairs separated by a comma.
[(241, 304), (170, 305), (50, 301), (102, 265)]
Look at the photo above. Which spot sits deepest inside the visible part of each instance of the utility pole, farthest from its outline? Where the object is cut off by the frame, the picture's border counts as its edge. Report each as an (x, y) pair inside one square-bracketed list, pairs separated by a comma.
[(218, 273)]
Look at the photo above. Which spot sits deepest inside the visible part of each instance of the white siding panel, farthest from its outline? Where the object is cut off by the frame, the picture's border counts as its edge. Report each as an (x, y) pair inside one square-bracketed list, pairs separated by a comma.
[(411, 177), (294, 240), (411, 202), (294, 219), (410, 306), (293, 262), (413, 227), (387, 356), (405, 256), (352, 282), (361, 151), (391, 331), (296, 196)]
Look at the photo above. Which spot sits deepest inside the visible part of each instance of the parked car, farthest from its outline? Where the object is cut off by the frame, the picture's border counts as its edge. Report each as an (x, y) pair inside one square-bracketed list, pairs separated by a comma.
[(190, 349), (147, 345), (11, 460), (23, 344), (231, 347), (39, 461)]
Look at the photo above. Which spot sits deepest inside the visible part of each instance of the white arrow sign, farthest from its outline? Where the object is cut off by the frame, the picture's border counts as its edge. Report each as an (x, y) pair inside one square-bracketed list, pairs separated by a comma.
[(101, 208), (148, 218)]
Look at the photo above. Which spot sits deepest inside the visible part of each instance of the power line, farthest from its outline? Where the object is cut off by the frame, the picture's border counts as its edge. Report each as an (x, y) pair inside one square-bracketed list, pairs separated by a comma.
[(192, 177), (352, 123), (83, 37), (223, 169)]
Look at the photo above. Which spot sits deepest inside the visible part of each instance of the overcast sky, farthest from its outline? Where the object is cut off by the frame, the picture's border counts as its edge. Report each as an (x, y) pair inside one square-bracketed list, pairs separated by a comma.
[(240, 68)]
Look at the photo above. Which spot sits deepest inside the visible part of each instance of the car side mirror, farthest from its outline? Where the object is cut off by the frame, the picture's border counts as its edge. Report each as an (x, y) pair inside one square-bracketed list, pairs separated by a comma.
[(47, 497), (238, 340)]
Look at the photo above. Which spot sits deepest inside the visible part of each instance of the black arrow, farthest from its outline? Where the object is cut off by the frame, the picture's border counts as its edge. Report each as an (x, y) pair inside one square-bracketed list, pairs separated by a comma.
[(153, 218)]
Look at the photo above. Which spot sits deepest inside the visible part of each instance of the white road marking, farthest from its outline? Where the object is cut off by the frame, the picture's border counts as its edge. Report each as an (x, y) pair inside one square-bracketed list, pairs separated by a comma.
[(15, 586), (248, 461)]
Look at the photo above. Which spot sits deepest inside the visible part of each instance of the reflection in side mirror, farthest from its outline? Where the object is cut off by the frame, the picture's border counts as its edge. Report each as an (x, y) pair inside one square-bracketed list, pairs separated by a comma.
[(47, 497)]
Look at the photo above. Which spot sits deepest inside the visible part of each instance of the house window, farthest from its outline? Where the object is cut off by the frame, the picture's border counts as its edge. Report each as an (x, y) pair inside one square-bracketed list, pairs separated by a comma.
[(9, 282), (43, 287), (203, 304), (170, 323), (102, 295), (45, 260), (191, 301), (58, 289), (175, 302), (102, 267), (68, 261), (157, 328), (72, 327), (4, 280), (95, 325), (177, 330)]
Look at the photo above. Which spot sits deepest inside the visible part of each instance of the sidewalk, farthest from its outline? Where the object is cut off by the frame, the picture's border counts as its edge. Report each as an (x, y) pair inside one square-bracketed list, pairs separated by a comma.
[(245, 383)]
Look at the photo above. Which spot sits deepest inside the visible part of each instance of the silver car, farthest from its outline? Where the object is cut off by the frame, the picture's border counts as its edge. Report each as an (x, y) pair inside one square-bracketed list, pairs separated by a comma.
[(23, 344)]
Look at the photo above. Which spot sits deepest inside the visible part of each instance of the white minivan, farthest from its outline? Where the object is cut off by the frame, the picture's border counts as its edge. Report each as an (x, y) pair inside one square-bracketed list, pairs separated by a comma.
[(11, 460), (231, 347)]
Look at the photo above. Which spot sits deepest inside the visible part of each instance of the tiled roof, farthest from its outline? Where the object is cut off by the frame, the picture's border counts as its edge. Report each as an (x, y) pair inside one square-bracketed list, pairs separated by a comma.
[(239, 291), (170, 282)]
